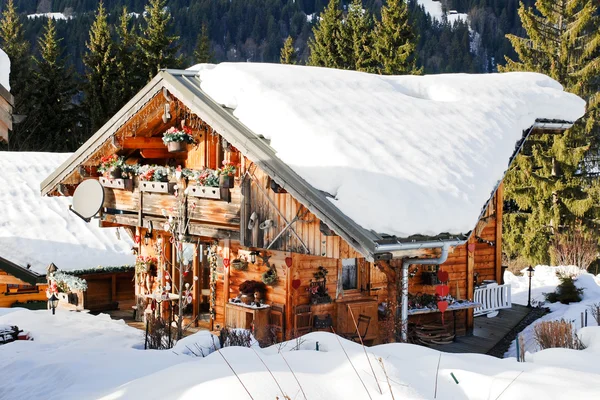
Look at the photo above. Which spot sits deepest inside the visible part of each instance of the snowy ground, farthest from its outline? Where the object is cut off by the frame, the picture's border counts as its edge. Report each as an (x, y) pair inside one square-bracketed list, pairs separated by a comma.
[(80, 356), (544, 281)]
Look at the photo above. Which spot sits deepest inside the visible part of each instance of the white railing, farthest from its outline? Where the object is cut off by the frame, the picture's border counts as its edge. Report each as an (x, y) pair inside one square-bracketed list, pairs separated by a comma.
[(493, 298)]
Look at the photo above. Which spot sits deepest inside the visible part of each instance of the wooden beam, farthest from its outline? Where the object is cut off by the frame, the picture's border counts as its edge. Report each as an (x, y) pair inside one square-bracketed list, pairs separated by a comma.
[(138, 142), (11, 280), (162, 153), (470, 283), (498, 241)]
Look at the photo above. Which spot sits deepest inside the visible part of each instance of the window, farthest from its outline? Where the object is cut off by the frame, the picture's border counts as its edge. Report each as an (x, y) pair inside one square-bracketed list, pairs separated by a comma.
[(349, 274)]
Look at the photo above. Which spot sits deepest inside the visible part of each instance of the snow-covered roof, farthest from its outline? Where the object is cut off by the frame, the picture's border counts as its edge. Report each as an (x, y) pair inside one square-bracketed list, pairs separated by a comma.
[(4, 70), (399, 155), (40, 230)]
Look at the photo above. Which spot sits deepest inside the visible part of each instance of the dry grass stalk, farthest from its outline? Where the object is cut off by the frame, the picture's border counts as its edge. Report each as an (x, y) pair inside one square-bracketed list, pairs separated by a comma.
[(595, 309), (387, 378), (364, 349), (552, 334), (352, 364)]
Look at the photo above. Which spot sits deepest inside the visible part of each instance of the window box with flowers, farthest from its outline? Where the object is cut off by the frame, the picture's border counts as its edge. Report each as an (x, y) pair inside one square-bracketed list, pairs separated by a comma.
[(226, 175), (206, 186), (155, 179), (177, 139), (111, 166)]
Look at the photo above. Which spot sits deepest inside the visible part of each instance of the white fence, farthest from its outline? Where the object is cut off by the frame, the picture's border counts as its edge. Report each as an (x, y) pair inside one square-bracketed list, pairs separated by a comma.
[(493, 298)]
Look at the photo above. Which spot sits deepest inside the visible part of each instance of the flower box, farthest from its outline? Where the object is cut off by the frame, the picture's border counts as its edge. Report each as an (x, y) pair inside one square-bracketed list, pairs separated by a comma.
[(157, 187), (125, 184), (207, 192), (176, 147)]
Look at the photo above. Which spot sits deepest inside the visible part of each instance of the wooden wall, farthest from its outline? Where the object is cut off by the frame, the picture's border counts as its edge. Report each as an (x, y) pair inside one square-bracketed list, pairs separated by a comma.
[(8, 299), (282, 208), (107, 291)]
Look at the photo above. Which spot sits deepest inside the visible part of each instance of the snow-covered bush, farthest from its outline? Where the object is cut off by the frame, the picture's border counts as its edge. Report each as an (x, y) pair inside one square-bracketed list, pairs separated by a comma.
[(69, 283)]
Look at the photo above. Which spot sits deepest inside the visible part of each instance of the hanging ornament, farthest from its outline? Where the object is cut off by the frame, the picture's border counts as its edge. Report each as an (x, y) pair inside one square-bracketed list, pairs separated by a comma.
[(296, 283), (442, 306), (226, 262), (185, 273), (288, 262), (195, 278), (442, 290), (443, 276)]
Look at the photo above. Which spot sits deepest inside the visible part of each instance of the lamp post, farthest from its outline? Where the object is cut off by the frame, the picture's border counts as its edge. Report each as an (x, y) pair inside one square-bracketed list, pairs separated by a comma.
[(530, 272), (53, 302)]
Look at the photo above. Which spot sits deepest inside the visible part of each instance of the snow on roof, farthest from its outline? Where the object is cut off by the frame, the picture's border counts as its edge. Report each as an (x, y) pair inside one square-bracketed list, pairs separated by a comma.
[(4, 70), (434, 8), (400, 155), (41, 230)]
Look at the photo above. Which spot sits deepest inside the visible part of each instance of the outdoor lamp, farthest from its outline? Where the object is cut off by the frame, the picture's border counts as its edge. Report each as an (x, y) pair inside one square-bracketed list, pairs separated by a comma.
[(253, 257), (147, 238), (53, 302), (530, 272)]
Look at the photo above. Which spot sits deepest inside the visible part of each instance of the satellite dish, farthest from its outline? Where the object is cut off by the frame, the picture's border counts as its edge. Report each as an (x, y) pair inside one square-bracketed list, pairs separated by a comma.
[(87, 199)]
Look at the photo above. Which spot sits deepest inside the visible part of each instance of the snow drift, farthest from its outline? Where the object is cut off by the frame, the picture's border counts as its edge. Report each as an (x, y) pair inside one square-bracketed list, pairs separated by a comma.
[(399, 155), (40, 230)]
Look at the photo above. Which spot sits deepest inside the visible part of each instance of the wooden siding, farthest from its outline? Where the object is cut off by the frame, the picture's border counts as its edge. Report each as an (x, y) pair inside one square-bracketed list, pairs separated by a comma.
[(283, 209), (8, 299)]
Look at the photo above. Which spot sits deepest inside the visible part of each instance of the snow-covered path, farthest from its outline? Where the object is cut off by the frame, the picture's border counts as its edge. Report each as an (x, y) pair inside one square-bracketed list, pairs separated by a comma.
[(80, 356)]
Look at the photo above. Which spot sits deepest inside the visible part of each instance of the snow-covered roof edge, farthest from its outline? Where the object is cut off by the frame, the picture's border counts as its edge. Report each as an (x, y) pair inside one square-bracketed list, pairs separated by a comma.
[(185, 85)]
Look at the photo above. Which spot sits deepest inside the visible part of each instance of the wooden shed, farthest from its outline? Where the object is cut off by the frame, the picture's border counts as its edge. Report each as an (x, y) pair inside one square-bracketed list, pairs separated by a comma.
[(19, 285), (324, 270)]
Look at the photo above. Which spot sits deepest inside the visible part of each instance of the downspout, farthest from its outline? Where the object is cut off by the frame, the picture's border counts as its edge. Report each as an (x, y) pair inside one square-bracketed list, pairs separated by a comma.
[(405, 264)]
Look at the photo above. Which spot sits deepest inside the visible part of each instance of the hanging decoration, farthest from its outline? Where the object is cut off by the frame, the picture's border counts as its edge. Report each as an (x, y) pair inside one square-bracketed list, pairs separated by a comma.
[(442, 291), (211, 253)]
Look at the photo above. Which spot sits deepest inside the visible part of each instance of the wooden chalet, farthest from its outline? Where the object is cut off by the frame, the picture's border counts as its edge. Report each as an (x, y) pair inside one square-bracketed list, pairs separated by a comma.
[(270, 219), (19, 285), (6, 106)]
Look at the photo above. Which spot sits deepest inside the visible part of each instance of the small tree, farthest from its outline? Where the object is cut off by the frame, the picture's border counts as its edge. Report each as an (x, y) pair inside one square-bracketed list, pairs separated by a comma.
[(157, 48), (130, 77), (101, 74), (203, 52), (288, 53), (12, 41), (566, 292), (330, 45), (395, 41)]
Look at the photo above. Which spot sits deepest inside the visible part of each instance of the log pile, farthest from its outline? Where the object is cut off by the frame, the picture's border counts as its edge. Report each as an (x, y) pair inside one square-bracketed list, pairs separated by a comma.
[(433, 334)]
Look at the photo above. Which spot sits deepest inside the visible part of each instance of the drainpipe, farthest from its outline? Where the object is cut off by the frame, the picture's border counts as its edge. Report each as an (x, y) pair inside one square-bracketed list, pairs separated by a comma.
[(445, 246)]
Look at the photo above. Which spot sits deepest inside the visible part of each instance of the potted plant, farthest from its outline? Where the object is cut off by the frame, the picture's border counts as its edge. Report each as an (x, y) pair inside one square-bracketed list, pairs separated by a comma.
[(226, 174), (111, 166), (270, 277), (248, 290), (317, 289), (176, 139), (239, 265)]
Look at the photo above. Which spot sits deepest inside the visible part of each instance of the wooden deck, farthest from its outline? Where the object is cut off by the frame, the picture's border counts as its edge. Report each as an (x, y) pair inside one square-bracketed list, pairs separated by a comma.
[(487, 332)]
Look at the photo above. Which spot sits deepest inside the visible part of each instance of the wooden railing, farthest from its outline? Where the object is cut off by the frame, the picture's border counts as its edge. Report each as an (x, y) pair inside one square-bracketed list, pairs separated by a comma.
[(493, 298)]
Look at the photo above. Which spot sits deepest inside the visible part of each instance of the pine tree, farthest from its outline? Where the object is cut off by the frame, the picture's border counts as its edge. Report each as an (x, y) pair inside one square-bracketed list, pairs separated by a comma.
[(203, 52), (101, 73), (330, 47), (52, 115), (395, 41), (288, 53), (358, 27), (130, 76), (547, 191), (157, 48), (13, 42)]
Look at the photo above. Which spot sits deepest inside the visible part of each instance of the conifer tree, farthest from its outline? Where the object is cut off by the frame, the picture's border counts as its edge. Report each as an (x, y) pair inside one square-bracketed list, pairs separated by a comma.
[(13, 42), (394, 43), (547, 191), (358, 27), (288, 53), (51, 113), (101, 74), (130, 77), (158, 49), (203, 53), (330, 46)]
